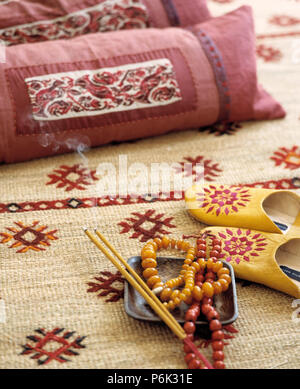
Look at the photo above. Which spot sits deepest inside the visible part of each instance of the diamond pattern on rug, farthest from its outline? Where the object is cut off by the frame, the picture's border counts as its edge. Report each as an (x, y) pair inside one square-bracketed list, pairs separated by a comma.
[(72, 177), (290, 158), (284, 20), (268, 53), (211, 169), (26, 238), (220, 129), (104, 285), (146, 225), (58, 346)]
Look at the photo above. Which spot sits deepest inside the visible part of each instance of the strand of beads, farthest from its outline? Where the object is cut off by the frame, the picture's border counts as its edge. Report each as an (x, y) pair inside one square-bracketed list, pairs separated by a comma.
[(149, 264), (170, 296), (190, 327), (215, 267), (191, 271), (217, 336), (205, 288)]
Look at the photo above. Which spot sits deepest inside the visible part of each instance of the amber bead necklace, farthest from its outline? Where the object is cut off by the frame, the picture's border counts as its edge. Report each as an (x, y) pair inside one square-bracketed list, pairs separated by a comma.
[(172, 298), (190, 269)]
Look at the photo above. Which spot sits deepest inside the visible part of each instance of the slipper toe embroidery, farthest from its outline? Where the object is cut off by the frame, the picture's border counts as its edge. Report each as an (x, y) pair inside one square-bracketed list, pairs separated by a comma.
[(260, 256), (270, 210)]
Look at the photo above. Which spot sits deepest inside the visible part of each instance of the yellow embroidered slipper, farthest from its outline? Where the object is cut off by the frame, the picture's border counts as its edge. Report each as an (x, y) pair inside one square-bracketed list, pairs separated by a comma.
[(267, 210), (265, 258)]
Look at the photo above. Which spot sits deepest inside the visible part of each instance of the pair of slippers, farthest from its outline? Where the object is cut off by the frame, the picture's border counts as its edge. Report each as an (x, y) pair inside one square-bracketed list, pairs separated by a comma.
[(259, 230)]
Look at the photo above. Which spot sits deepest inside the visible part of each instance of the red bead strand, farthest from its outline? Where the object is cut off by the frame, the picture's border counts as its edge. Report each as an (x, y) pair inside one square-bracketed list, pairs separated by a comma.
[(205, 279), (189, 326), (211, 314)]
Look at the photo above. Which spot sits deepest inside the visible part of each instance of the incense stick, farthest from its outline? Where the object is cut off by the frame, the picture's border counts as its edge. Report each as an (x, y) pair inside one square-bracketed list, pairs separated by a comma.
[(170, 322), (140, 280)]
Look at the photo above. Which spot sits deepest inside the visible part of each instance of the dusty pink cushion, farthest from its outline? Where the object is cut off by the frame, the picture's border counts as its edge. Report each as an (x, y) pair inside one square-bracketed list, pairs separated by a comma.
[(125, 85), (35, 21)]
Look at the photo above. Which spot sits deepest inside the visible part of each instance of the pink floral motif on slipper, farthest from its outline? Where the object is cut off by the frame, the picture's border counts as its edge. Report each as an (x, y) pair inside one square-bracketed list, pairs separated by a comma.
[(241, 245), (223, 201)]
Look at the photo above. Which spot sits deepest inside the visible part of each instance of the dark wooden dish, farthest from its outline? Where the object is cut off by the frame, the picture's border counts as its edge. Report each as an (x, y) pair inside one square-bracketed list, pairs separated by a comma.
[(136, 306)]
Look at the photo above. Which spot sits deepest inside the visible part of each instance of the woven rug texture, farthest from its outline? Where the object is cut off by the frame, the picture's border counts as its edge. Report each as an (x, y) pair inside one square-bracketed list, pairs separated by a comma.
[(62, 302)]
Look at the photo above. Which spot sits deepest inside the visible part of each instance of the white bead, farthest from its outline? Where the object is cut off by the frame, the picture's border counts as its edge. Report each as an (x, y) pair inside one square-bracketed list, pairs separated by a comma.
[(158, 290)]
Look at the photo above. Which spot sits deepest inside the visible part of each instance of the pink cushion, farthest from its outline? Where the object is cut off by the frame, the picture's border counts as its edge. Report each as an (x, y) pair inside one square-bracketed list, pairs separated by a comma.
[(35, 21), (125, 85)]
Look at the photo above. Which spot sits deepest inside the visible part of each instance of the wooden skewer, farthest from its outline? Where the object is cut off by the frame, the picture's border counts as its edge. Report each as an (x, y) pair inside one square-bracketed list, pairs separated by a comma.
[(150, 299), (146, 292), (140, 281)]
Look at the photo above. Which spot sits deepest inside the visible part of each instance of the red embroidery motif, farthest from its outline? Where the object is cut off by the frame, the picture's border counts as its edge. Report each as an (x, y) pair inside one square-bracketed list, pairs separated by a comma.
[(268, 54), (110, 15), (94, 92), (211, 169), (220, 129), (156, 89), (288, 157), (222, 200), (64, 346), (105, 284), (241, 245), (26, 238), (72, 177), (147, 225), (284, 20)]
